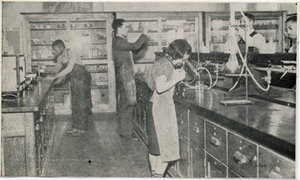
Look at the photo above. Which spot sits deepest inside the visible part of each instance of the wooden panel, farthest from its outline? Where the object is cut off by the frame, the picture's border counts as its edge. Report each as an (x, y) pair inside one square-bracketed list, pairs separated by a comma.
[(215, 169), (14, 156), (242, 156), (182, 119), (274, 166), (13, 124), (196, 129), (216, 141), (183, 163)]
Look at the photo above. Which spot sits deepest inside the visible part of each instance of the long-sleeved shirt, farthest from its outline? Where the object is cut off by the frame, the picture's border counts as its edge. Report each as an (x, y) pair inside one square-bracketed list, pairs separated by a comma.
[(122, 55)]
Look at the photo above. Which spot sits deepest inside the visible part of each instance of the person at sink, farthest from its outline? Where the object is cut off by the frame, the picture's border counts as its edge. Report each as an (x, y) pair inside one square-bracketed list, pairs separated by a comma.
[(72, 70)]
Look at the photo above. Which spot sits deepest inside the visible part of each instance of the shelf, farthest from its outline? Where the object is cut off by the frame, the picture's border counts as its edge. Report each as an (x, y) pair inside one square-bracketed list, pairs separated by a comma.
[(93, 58), (142, 32), (166, 30), (99, 87), (52, 29), (95, 62), (41, 44), (88, 28), (42, 59), (12, 55)]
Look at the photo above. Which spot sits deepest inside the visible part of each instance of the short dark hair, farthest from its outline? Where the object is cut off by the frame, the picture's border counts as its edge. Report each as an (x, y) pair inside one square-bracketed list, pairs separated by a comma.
[(116, 24), (178, 48), (58, 42), (250, 16), (292, 19)]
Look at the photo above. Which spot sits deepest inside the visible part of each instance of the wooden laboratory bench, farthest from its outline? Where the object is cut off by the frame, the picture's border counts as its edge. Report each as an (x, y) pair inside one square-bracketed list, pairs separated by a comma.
[(217, 141), (27, 126)]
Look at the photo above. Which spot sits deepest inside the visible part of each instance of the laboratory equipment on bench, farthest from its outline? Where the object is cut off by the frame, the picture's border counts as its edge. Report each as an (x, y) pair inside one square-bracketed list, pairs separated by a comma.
[(245, 71), (13, 76)]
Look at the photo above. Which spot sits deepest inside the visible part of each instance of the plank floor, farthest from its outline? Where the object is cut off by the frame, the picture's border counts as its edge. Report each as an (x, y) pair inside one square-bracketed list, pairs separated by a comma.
[(99, 153)]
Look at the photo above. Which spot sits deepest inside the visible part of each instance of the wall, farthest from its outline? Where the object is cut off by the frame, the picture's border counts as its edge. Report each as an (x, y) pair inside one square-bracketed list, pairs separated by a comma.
[(11, 16)]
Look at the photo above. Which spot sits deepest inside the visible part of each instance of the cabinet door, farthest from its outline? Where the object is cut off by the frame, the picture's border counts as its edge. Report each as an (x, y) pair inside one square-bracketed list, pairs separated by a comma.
[(196, 129), (215, 169), (197, 161), (272, 165), (216, 141), (242, 156)]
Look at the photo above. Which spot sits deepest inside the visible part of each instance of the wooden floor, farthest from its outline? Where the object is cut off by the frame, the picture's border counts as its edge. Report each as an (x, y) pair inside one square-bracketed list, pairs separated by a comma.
[(100, 153)]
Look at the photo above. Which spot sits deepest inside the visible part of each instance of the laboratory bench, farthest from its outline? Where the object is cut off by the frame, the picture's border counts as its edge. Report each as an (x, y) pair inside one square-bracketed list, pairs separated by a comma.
[(253, 141), (27, 128)]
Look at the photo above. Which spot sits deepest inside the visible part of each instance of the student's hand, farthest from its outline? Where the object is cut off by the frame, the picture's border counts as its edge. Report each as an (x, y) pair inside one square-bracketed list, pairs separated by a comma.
[(146, 29), (50, 77), (178, 74)]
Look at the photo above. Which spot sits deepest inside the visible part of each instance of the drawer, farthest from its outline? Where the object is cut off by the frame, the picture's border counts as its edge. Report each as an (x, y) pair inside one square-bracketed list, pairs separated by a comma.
[(214, 167), (182, 119), (196, 129), (184, 162), (242, 156), (100, 96), (216, 141), (197, 161), (274, 166)]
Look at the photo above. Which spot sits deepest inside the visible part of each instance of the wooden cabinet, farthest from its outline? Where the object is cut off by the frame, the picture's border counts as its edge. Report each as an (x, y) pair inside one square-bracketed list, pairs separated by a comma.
[(27, 140), (89, 35), (269, 24)]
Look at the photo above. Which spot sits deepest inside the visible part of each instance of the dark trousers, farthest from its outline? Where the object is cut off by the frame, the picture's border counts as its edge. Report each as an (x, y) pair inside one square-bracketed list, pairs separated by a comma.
[(125, 113), (81, 99)]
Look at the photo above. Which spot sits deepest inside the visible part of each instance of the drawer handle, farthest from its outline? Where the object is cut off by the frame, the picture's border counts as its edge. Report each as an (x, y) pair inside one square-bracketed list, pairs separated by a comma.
[(196, 130), (240, 158), (274, 175), (248, 155), (214, 141)]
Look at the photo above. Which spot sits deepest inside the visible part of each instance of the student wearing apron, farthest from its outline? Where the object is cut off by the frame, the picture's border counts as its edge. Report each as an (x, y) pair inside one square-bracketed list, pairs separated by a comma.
[(163, 138)]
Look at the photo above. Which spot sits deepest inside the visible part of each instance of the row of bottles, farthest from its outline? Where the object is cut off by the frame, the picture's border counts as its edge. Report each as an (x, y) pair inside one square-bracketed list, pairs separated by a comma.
[(62, 25)]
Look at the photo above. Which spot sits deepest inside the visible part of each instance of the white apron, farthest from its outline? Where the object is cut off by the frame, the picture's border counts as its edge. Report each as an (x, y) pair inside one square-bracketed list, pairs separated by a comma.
[(166, 127)]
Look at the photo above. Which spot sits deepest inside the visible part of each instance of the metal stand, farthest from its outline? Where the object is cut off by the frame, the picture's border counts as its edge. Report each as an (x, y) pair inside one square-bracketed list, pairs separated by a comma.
[(243, 101)]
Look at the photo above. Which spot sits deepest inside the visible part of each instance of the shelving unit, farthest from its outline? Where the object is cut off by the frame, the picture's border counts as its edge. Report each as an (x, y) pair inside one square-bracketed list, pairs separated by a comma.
[(164, 28), (89, 35), (270, 24)]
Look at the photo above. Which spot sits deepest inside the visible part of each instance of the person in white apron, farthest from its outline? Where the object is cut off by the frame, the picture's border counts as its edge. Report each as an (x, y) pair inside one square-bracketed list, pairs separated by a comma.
[(164, 78)]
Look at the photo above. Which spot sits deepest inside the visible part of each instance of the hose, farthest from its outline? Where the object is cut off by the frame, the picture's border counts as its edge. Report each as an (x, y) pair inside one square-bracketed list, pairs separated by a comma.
[(245, 64)]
